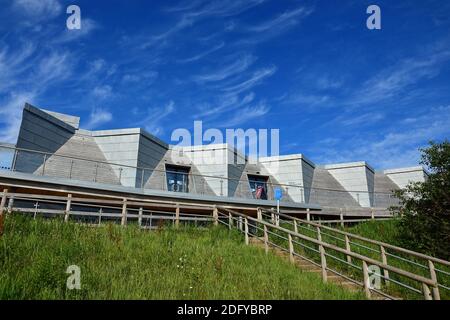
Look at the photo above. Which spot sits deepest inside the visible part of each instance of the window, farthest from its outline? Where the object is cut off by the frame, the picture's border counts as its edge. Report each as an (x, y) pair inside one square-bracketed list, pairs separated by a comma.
[(258, 185), (177, 178)]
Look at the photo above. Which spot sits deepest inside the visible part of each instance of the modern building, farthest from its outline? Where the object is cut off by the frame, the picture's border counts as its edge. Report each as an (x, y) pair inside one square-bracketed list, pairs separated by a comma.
[(53, 144)]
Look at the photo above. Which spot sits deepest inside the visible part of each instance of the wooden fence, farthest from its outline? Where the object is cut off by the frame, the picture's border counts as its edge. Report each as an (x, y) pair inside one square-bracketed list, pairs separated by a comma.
[(309, 240), (267, 228)]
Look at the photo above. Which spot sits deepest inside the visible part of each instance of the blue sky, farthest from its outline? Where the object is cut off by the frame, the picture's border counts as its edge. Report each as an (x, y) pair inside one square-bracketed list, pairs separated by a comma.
[(336, 90)]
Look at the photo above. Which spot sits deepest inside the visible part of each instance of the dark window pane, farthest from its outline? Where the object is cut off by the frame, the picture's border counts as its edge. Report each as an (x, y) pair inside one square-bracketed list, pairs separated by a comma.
[(258, 185), (177, 178)]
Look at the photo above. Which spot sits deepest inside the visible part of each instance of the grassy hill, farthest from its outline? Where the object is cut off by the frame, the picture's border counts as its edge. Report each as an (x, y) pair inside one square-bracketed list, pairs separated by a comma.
[(128, 263)]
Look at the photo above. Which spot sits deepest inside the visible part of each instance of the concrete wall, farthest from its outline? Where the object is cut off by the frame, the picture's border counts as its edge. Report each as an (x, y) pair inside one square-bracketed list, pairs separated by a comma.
[(357, 178), (41, 132), (383, 190), (81, 145), (120, 147), (211, 161), (238, 185), (401, 177), (70, 120), (151, 152), (328, 192), (52, 133), (291, 170)]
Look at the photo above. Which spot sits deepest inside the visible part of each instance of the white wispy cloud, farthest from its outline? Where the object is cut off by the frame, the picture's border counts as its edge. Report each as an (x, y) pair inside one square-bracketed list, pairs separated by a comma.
[(275, 26), (193, 12), (136, 77), (160, 39), (232, 69), (102, 92), (13, 63), (25, 74), (98, 117), (38, 9), (395, 79), (152, 121), (244, 115), (87, 27), (256, 78), (54, 67), (226, 104), (285, 20), (325, 82), (11, 115), (202, 54), (222, 8), (185, 6), (304, 100), (357, 119), (393, 147)]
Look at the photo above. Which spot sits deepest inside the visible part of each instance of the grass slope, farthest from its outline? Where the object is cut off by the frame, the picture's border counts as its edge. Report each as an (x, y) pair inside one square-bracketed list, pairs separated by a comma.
[(384, 230), (127, 263)]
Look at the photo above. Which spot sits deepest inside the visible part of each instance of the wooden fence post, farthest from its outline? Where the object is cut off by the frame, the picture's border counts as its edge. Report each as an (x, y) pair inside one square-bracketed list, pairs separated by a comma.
[(295, 226), (216, 216), (100, 216), (266, 239), (372, 213), (124, 212), (177, 216), (291, 249), (3, 202), (384, 260), (10, 205), (68, 205), (426, 292), (436, 294), (323, 260), (308, 215), (141, 211), (341, 215), (366, 279), (348, 248), (246, 231), (230, 221), (259, 214)]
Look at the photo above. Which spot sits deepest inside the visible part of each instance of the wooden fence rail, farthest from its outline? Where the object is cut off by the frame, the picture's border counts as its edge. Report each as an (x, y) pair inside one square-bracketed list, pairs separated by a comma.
[(142, 210), (325, 248)]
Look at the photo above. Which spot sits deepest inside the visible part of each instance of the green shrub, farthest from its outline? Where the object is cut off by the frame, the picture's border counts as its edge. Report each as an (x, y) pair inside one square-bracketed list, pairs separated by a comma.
[(425, 206)]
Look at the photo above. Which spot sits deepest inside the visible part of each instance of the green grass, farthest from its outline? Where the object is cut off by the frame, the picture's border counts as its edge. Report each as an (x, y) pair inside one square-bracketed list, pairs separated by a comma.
[(383, 230), (128, 263)]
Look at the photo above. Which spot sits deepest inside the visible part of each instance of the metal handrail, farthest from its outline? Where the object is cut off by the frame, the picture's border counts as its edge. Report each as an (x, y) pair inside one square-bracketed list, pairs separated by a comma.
[(412, 276), (350, 235), (358, 237), (191, 174)]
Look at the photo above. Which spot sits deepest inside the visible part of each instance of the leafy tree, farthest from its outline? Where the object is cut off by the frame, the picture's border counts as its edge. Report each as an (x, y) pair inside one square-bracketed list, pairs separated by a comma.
[(425, 206)]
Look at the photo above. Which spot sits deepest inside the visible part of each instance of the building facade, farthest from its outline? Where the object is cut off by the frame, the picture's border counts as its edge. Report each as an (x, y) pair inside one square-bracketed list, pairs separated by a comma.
[(53, 144)]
